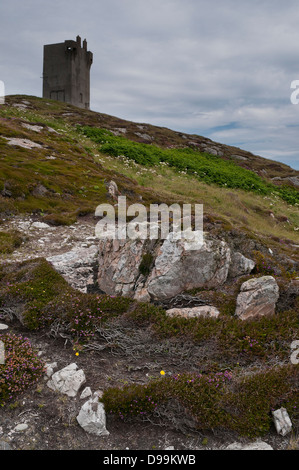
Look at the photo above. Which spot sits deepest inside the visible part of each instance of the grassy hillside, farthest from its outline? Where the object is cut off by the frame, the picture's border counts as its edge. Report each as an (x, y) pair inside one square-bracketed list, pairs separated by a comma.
[(225, 374), (79, 151)]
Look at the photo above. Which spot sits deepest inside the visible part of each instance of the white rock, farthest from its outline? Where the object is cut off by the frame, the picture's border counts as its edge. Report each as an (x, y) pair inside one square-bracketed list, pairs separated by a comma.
[(282, 421), (32, 127), (177, 270), (258, 445), (67, 380), (25, 143), (21, 427), (240, 265), (3, 326), (92, 417), (39, 225), (77, 266), (174, 269), (50, 368), (194, 312), (86, 393)]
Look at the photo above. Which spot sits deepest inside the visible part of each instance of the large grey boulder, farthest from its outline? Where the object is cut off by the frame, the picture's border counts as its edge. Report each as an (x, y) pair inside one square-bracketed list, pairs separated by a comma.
[(175, 267), (257, 297), (67, 380), (92, 417), (177, 270)]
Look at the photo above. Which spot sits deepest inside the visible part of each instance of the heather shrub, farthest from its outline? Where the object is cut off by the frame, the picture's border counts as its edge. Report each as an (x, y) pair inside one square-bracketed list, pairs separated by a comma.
[(217, 400), (22, 367)]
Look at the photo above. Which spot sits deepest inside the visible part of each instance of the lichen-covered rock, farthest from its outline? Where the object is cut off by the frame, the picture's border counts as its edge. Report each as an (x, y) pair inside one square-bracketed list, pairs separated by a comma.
[(175, 267), (119, 262), (177, 270), (257, 297)]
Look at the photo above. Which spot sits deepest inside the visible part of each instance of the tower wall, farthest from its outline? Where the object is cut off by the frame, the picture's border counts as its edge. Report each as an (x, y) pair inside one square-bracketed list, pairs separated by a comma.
[(66, 72)]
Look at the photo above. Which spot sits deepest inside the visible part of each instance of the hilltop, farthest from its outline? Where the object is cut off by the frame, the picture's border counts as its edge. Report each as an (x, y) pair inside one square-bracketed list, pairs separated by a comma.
[(57, 165)]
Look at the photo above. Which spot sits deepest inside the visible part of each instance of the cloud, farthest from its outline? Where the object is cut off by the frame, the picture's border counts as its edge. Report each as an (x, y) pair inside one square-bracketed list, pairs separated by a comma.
[(219, 69)]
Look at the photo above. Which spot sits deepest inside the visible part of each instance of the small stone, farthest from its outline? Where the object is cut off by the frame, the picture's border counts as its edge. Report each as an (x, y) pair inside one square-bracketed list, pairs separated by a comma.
[(257, 297), (92, 417), (282, 421), (194, 312), (86, 393), (40, 225), (240, 265), (50, 369), (257, 445), (3, 326), (67, 380), (21, 427)]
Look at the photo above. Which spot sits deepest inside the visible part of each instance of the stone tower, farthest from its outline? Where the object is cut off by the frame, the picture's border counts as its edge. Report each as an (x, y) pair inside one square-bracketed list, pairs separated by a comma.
[(66, 72)]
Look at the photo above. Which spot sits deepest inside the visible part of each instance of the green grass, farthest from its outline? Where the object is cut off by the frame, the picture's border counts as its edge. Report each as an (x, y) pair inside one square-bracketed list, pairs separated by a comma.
[(207, 168), (9, 241)]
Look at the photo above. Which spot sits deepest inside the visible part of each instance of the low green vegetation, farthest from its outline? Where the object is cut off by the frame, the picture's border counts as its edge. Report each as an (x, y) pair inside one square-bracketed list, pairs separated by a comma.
[(208, 168), (9, 241), (43, 299)]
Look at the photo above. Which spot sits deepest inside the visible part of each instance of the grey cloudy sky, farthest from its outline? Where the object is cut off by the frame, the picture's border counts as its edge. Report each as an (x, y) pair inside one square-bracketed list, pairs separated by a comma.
[(218, 68)]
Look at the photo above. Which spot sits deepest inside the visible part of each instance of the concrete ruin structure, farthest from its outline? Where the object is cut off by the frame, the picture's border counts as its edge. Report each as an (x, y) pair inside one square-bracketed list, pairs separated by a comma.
[(66, 72)]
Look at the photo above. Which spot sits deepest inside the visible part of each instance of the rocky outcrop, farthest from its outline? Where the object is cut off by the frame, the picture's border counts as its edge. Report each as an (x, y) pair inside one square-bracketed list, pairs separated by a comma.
[(257, 297), (171, 267), (77, 266)]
